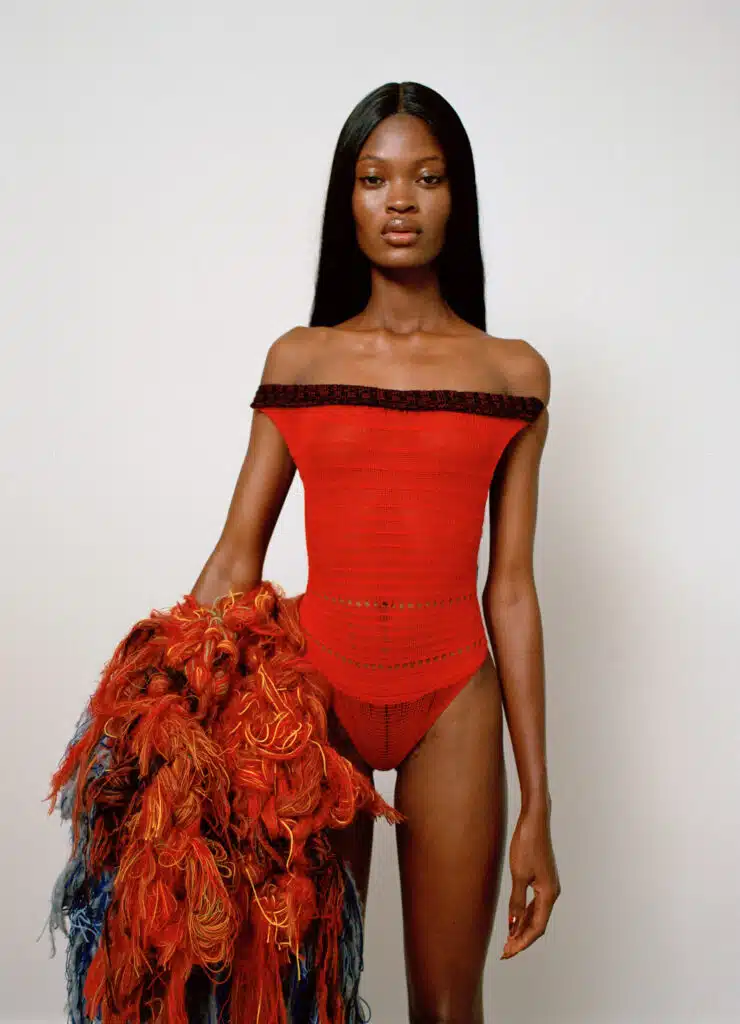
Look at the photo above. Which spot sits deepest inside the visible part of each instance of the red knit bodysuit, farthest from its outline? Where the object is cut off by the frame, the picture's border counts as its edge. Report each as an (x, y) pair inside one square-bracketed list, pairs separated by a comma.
[(395, 485)]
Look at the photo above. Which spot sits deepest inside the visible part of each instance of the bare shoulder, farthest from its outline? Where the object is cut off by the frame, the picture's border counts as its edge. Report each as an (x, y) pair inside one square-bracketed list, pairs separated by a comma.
[(288, 355), (526, 370)]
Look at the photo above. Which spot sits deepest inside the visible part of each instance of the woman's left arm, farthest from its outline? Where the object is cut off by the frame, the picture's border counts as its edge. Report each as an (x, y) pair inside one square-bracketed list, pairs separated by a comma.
[(512, 614)]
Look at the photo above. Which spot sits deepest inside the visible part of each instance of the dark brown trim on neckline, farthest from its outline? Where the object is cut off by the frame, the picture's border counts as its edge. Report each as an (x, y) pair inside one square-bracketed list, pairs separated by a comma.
[(485, 403)]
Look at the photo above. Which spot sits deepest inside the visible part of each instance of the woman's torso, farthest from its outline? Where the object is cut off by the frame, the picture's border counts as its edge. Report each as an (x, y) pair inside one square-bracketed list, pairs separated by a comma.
[(395, 482)]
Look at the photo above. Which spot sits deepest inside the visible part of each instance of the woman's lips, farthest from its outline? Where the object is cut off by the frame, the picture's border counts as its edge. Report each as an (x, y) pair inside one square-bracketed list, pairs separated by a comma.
[(400, 237)]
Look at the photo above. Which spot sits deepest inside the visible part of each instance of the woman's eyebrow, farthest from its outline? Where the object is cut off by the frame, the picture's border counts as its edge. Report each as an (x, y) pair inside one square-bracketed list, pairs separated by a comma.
[(420, 160)]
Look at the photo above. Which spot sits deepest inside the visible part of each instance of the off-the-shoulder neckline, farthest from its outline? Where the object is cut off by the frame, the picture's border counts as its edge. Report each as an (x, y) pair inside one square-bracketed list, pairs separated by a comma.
[(492, 403)]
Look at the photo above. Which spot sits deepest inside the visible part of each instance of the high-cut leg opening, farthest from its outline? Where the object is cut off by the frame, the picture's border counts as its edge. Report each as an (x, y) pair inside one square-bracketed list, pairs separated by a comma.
[(384, 734)]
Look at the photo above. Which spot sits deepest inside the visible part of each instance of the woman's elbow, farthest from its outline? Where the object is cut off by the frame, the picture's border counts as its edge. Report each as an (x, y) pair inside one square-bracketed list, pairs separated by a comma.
[(510, 588), (226, 570)]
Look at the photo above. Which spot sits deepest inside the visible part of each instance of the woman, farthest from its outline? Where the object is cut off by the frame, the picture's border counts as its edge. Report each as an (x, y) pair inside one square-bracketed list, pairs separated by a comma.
[(402, 307), (402, 415)]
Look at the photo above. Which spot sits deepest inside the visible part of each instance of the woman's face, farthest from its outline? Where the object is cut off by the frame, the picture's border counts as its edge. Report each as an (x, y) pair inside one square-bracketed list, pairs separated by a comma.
[(401, 182)]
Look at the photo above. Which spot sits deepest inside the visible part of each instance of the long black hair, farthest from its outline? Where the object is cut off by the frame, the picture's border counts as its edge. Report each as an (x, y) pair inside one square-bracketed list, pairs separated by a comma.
[(343, 274)]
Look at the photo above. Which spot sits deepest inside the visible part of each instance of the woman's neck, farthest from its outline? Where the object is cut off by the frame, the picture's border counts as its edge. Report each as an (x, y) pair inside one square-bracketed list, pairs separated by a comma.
[(405, 302)]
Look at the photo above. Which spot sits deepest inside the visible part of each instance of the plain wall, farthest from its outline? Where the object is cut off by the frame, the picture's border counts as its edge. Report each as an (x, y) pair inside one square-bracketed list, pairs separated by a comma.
[(162, 173)]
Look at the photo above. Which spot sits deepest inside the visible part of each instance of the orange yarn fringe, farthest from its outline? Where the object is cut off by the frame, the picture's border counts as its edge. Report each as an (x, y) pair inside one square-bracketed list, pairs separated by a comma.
[(212, 809)]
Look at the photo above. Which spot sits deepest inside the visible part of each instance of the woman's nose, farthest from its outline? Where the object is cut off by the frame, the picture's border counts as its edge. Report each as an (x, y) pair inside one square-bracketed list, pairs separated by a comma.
[(401, 202)]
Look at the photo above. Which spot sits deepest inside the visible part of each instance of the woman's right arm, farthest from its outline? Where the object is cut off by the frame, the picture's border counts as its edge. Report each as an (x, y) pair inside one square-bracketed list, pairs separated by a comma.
[(267, 472)]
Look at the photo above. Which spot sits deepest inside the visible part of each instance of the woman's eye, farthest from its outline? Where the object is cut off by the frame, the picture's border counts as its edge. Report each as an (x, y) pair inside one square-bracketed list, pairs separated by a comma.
[(428, 179)]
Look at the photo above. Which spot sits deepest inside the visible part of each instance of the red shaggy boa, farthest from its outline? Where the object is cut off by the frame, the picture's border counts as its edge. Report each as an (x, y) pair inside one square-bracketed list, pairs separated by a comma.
[(208, 785)]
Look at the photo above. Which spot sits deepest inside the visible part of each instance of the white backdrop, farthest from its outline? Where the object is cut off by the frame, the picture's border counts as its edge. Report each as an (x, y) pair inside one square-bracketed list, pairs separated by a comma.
[(162, 172)]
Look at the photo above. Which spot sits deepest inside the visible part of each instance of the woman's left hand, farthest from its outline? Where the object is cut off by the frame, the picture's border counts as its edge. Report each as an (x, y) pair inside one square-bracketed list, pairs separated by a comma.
[(532, 862)]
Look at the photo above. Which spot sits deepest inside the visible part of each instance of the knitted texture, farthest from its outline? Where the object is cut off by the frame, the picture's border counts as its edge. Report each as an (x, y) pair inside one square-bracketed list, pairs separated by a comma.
[(395, 486), (200, 785), (485, 403)]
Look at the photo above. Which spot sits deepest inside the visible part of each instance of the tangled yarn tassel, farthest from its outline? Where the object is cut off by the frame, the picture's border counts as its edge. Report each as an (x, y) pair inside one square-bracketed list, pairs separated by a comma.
[(200, 785), (300, 988)]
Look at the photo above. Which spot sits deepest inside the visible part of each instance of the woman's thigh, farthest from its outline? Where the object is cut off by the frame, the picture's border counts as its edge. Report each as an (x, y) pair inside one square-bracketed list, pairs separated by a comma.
[(452, 788)]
